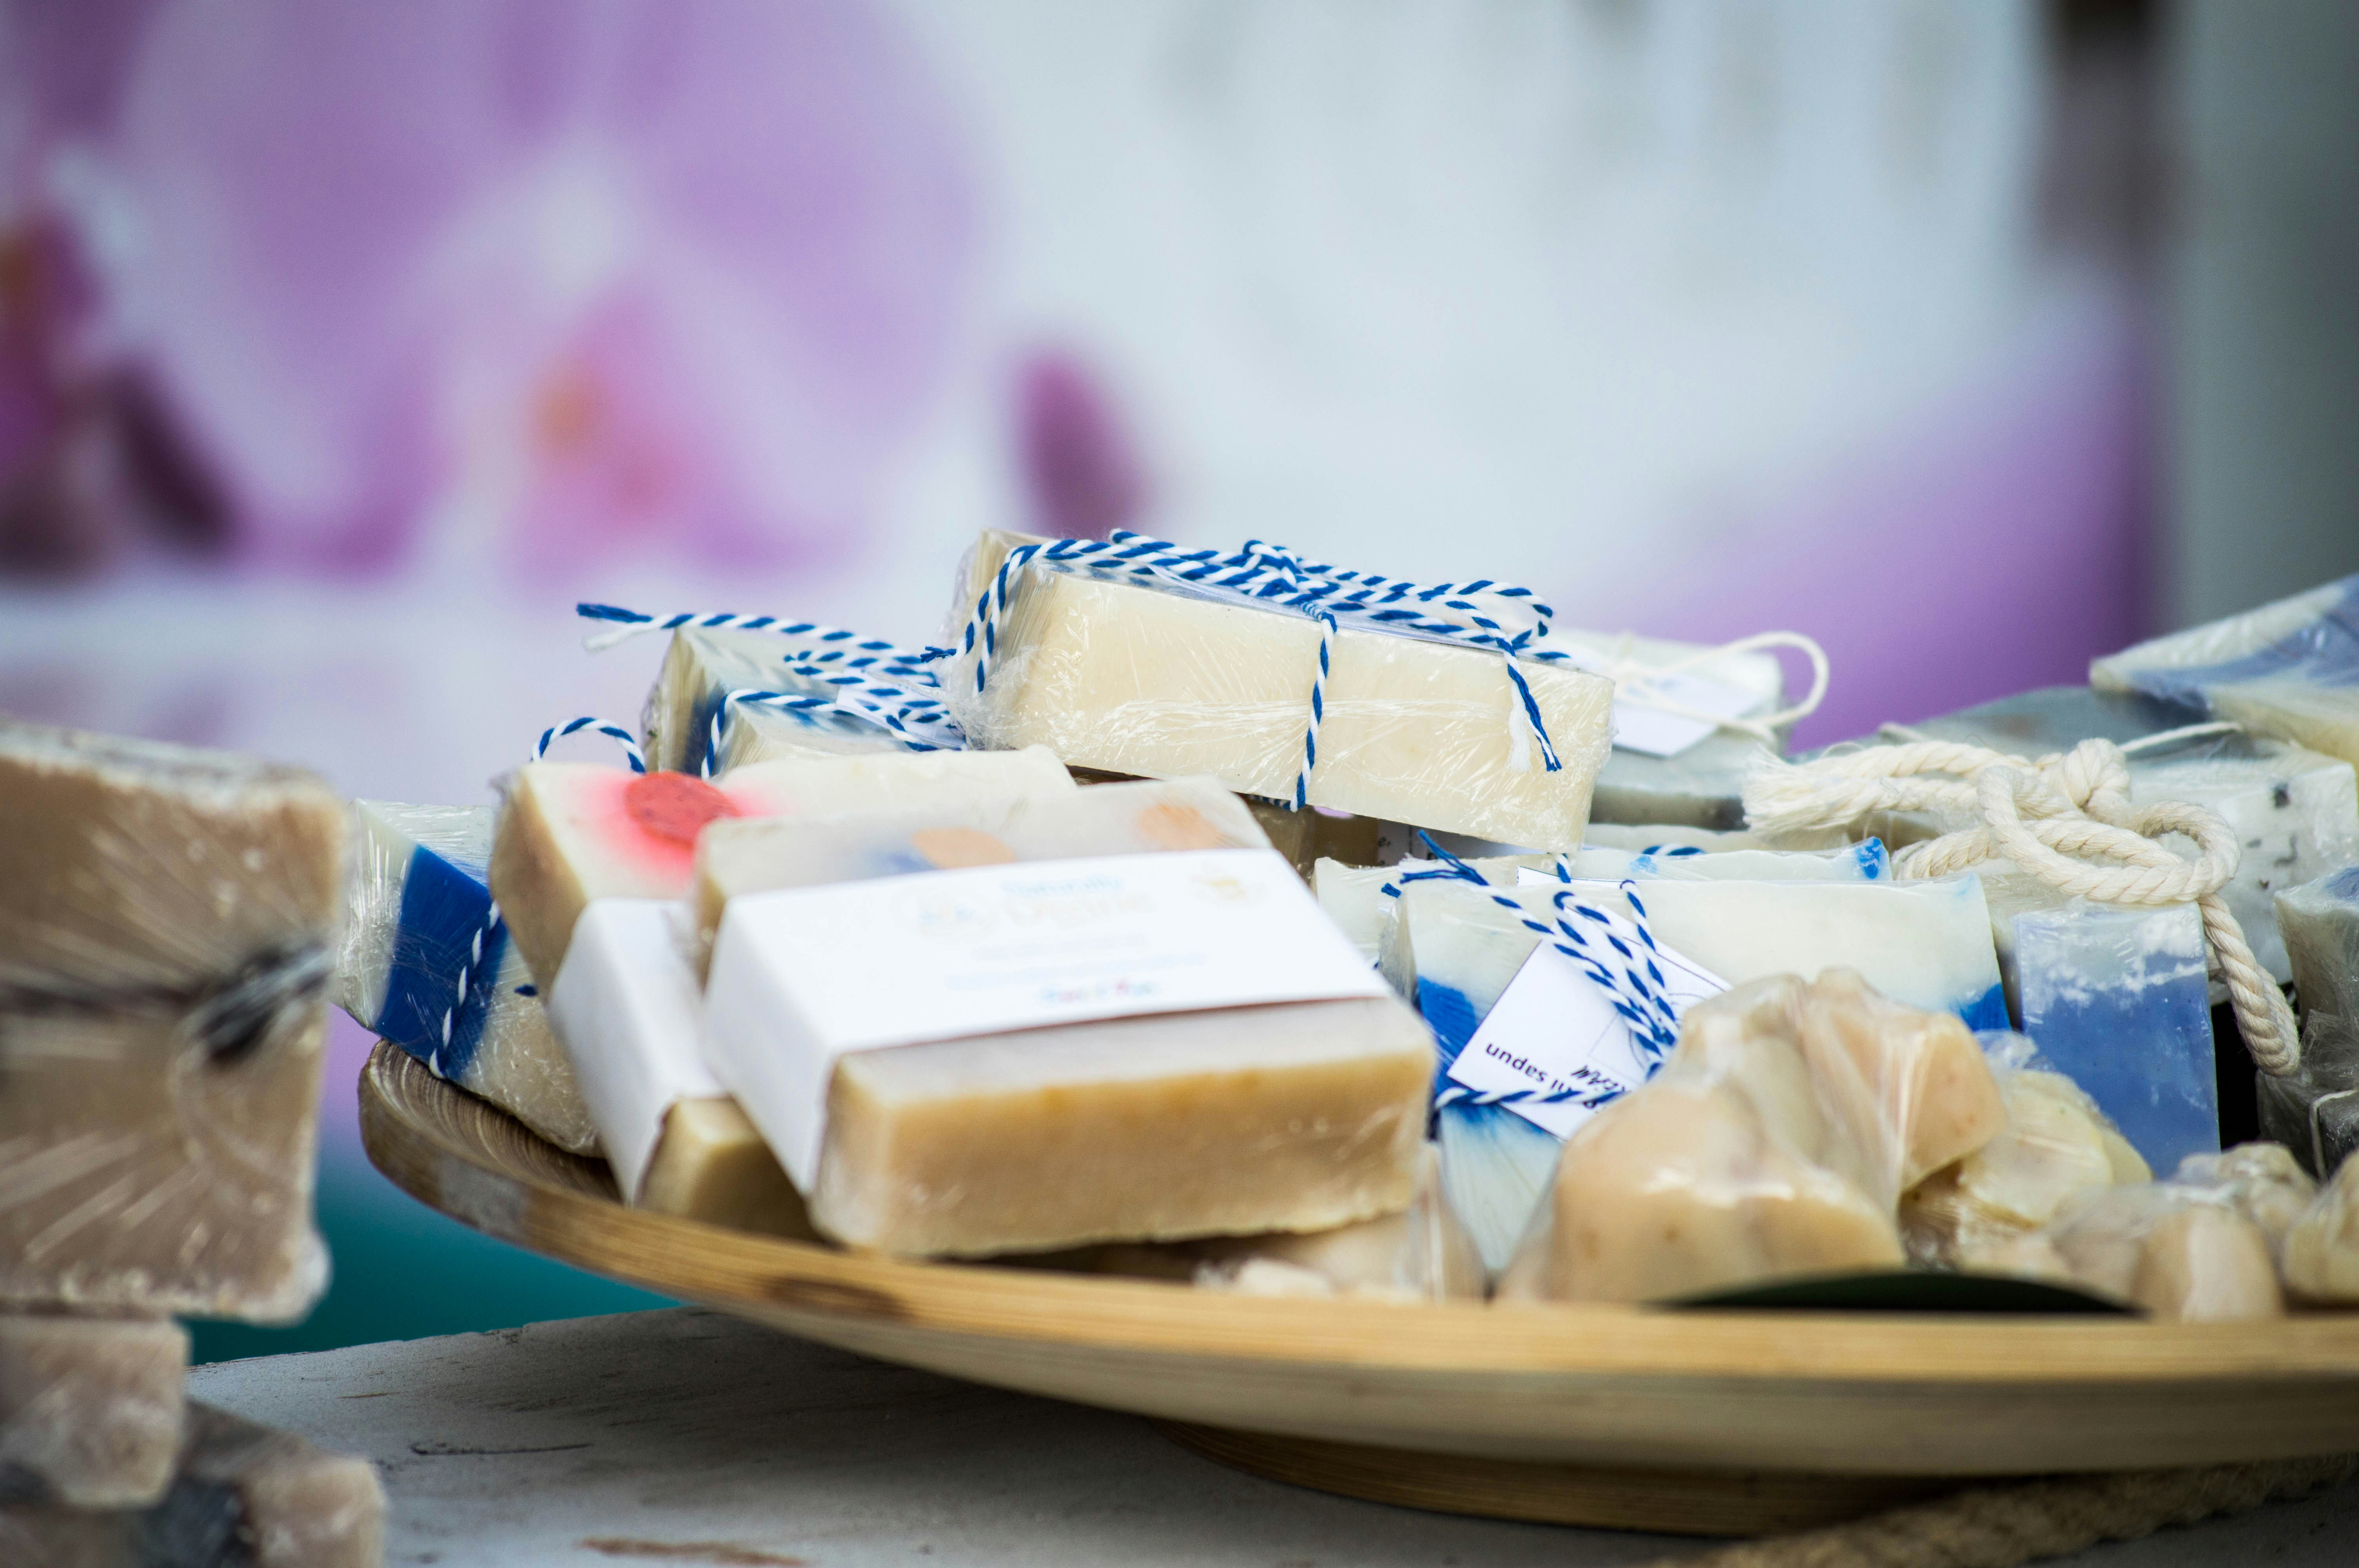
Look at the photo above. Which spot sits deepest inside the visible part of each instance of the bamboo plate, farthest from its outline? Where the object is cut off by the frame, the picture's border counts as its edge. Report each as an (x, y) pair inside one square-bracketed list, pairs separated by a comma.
[(1700, 1422)]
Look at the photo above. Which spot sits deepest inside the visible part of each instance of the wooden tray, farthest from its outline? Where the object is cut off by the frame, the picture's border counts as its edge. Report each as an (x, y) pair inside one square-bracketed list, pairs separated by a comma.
[(1700, 1421)]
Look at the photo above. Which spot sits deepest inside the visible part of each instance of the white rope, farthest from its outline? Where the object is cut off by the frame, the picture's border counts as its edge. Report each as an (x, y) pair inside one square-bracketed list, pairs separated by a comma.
[(2065, 819)]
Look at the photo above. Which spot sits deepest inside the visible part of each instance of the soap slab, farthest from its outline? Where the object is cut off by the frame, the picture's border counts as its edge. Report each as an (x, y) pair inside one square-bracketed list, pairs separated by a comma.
[(1166, 682), (424, 965), (167, 918), (2115, 996), (90, 1409), (242, 1497), (2322, 1248), (702, 667), (2288, 669), (2315, 1111)]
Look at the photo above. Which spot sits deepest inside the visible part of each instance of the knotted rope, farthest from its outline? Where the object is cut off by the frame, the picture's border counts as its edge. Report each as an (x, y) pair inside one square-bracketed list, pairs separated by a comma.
[(2065, 819)]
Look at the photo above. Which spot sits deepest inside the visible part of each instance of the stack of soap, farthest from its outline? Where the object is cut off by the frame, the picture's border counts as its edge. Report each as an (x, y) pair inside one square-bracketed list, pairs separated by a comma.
[(2316, 1110), (1153, 679), (240, 1495), (2288, 669), (956, 1049), (704, 667), (426, 964), (166, 925), (1776, 1142), (2115, 996)]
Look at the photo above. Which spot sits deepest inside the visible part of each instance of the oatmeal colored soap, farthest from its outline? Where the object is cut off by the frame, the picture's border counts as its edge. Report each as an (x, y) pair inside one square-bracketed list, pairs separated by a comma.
[(166, 925), (90, 1409)]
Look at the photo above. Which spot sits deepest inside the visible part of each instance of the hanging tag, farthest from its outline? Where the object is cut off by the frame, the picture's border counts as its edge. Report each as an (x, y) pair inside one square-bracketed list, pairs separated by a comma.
[(1650, 731)]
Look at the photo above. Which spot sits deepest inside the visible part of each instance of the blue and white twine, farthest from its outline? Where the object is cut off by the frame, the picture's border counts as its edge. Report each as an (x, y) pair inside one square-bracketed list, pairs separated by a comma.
[(556, 733)]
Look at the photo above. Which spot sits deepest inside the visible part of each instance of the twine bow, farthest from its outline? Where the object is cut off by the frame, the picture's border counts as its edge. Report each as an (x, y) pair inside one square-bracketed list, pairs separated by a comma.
[(2065, 819)]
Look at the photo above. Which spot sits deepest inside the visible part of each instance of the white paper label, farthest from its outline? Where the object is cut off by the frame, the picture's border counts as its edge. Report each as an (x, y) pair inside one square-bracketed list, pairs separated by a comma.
[(803, 975), (1638, 727), (1554, 1032)]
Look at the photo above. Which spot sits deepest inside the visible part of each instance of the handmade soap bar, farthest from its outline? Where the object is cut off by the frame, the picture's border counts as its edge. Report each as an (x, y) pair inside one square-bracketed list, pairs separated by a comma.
[(2315, 1111), (963, 1119), (2181, 1261), (625, 1002), (2322, 1249), (166, 920), (2288, 669), (572, 832), (425, 964), (702, 667), (1679, 836), (1165, 681), (2115, 997), (1774, 1142), (242, 1497), (1355, 899), (90, 1409)]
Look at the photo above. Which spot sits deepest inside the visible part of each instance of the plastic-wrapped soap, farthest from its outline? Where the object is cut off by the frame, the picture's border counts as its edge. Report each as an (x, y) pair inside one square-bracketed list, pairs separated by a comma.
[(241, 1495), (1147, 676), (702, 667), (166, 923), (2322, 1248), (2115, 996), (426, 964), (90, 1409), (1018, 1026), (2288, 669), (2315, 1111)]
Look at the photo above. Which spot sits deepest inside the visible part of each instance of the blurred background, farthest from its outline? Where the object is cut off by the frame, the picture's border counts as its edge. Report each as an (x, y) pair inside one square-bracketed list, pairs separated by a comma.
[(343, 347)]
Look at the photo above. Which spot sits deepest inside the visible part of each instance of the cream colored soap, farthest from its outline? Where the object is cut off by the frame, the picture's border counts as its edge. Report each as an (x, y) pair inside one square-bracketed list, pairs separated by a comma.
[(1161, 684), (710, 1164), (2056, 1146), (2322, 1248), (167, 918), (90, 1409)]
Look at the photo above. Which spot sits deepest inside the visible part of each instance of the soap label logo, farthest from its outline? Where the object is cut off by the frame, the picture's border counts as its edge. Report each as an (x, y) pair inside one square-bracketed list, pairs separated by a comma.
[(950, 915)]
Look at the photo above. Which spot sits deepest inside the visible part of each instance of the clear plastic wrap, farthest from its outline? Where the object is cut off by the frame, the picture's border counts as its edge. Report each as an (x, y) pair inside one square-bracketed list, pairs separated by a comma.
[(701, 667), (2115, 997), (1287, 1115), (1775, 1143), (424, 965), (1421, 1254), (2288, 669), (90, 1409), (168, 923), (1152, 678), (2316, 1109), (242, 1494), (2322, 1248)]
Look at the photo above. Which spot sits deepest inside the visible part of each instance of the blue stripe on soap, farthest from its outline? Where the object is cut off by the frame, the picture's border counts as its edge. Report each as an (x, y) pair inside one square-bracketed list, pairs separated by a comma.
[(2323, 652), (1989, 1013), (442, 908)]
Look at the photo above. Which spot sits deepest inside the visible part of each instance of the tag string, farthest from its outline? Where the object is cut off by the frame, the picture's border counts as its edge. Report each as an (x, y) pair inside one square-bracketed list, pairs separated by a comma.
[(1635, 681)]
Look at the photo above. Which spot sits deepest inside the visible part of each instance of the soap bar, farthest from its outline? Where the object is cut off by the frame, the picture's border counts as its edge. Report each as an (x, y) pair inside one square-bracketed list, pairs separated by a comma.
[(2183, 1261), (1355, 899), (90, 1409), (1163, 682), (1679, 836), (2115, 997), (2288, 669), (1775, 1143), (2322, 1249), (702, 667), (242, 1497), (1291, 1115), (625, 1002), (572, 832), (167, 916), (2315, 1110), (424, 964)]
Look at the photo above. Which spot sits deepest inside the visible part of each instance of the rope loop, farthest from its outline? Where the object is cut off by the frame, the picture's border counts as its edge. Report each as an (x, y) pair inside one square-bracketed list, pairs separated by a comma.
[(2065, 819)]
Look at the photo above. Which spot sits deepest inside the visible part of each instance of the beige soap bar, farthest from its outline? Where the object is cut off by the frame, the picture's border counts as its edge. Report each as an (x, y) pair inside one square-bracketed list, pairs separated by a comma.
[(1137, 679), (702, 667), (90, 1409), (710, 1163), (2056, 1146), (242, 1497), (166, 920), (2322, 1248)]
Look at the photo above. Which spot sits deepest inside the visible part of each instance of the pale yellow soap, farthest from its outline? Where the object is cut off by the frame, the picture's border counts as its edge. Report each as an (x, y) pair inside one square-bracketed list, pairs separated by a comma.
[(710, 1164)]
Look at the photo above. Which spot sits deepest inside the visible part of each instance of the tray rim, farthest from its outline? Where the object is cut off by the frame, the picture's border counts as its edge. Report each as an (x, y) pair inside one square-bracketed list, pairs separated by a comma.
[(573, 1215)]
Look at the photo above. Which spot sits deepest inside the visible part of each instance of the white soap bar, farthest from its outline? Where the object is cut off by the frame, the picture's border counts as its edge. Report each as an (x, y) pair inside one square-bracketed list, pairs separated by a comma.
[(1680, 835), (424, 965), (701, 667), (2288, 669), (1163, 682)]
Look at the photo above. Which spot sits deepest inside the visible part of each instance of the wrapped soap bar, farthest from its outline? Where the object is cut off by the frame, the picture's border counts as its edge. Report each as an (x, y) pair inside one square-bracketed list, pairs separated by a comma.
[(166, 920), (90, 1409), (242, 1497), (2322, 1248), (625, 1001), (2288, 669), (1775, 1143), (1007, 1027), (2315, 1110), (2057, 1145), (426, 963), (1421, 1254), (702, 667), (1150, 676), (2115, 996), (1679, 836)]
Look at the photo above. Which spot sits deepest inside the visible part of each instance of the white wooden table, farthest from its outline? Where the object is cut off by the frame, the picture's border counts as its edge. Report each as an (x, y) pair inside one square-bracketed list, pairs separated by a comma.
[(686, 1437)]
